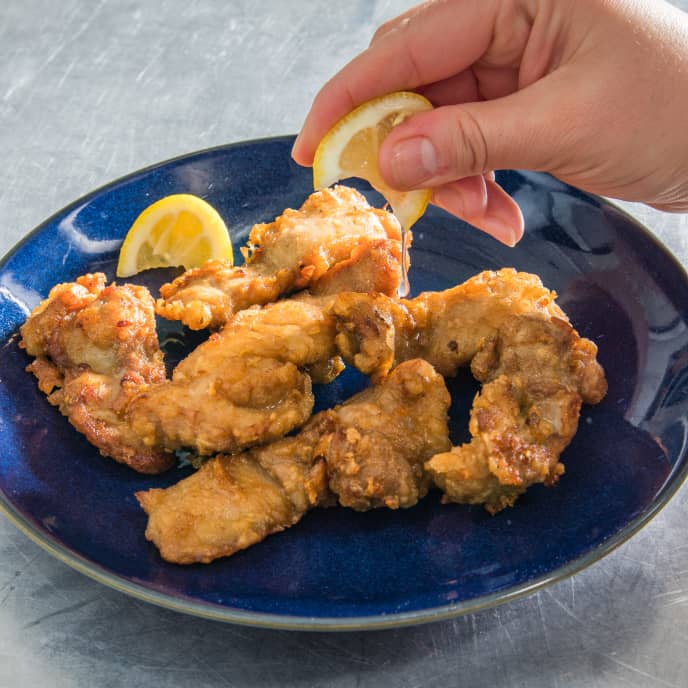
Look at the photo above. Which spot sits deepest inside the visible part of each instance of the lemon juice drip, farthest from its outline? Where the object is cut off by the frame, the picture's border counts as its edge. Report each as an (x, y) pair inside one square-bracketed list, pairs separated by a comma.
[(404, 285)]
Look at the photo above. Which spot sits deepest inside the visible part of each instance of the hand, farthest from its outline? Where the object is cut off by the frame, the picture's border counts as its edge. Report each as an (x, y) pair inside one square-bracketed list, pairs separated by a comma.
[(593, 91)]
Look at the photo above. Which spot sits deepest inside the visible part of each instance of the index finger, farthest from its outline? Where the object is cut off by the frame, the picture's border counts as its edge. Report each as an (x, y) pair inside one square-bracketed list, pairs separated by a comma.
[(429, 44)]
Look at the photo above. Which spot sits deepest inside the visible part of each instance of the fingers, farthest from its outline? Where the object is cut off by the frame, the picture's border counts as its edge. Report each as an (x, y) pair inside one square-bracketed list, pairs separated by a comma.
[(398, 22), (489, 208), (471, 85), (465, 198), (459, 88), (428, 45), (434, 148)]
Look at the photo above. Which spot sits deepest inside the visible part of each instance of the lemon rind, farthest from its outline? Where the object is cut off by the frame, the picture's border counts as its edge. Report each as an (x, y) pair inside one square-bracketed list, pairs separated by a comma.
[(366, 115)]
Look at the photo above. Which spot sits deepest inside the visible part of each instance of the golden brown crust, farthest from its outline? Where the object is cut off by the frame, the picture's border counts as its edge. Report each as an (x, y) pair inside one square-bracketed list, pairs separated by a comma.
[(375, 458), (526, 413), (96, 347), (334, 241), (369, 452), (98, 359), (535, 367), (246, 400), (445, 327)]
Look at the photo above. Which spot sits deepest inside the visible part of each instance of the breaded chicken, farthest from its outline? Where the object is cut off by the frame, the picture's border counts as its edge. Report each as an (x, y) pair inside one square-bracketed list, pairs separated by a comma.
[(96, 348), (444, 327), (233, 502), (248, 384), (375, 457), (448, 328), (334, 241), (369, 451), (535, 373), (245, 385), (536, 367), (251, 382)]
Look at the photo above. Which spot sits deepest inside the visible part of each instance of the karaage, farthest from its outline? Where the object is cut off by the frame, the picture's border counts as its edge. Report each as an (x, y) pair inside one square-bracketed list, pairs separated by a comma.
[(245, 385), (95, 348), (250, 383), (445, 327), (366, 453), (537, 371), (330, 243)]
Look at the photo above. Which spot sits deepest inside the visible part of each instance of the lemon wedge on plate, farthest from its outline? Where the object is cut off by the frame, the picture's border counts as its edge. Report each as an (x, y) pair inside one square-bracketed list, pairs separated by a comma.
[(176, 230), (350, 149)]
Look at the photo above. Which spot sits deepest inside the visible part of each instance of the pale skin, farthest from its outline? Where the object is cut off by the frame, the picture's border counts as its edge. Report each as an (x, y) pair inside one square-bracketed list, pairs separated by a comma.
[(593, 91)]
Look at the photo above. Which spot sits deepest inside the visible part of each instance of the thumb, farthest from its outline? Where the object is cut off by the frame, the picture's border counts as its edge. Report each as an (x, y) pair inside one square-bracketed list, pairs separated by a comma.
[(455, 141)]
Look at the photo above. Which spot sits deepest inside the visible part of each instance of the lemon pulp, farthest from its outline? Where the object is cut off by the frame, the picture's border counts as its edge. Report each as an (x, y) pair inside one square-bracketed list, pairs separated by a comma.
[(351, 148), (180, 229)]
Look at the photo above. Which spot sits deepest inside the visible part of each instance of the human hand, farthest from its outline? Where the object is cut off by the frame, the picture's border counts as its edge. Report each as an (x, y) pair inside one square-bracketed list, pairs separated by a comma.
[(593, 91)]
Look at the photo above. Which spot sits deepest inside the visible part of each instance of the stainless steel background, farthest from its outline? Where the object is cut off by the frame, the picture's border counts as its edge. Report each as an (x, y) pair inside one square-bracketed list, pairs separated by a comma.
[(90, 91)]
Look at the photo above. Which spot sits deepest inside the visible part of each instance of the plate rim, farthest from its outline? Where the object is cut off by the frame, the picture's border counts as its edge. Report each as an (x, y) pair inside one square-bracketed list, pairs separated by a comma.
[(217, 612), (130, 175)]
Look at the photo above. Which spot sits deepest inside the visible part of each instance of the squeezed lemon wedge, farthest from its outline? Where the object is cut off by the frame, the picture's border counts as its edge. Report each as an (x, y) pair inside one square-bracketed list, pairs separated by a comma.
[(351, 147), (180, 229)]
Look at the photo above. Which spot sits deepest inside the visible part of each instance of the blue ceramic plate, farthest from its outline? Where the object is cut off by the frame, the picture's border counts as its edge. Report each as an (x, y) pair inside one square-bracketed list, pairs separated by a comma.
[(336, 568)]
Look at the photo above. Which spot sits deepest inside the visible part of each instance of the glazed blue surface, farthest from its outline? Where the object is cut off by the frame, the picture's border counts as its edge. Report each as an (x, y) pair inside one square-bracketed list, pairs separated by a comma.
[(619, 286)]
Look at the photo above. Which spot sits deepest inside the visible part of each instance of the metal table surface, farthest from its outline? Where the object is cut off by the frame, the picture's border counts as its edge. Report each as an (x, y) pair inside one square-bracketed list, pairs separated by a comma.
[(92, 90)]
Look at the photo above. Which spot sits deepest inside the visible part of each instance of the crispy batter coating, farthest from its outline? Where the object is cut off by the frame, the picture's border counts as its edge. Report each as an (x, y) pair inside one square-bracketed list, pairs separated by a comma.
[(334, 241), (96, 347), (537, 371), (250, 383), (245, 401), (375, 457), (243, 386), (535, 374), (372, 448), (233, 502), (98, 359), (444, 327)]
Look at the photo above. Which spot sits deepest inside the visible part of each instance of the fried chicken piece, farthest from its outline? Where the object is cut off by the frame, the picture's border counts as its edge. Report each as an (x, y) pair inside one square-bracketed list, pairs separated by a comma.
[(375, 457), (247, 384), (334, 240), (536, 367), (96, 347), (372, 448), (448, 328), (536, 373), (372, 267), (444, 327), (245, 401), (233, 502)]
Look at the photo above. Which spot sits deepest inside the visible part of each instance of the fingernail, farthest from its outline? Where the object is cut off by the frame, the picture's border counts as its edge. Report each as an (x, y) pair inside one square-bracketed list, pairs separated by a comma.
[(413, 162), (296, 144)]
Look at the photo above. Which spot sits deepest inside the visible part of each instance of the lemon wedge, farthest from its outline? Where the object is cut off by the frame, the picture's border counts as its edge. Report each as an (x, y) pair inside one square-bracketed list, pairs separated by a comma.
[(180, 229), (350, 149)]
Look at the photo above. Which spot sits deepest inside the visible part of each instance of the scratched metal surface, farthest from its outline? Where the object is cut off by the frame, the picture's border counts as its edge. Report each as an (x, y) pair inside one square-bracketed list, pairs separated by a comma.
[(92, 90)]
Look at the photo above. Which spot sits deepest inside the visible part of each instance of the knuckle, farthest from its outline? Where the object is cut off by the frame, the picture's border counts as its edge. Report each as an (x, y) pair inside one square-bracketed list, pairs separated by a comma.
[(380, 32), (388, 27), (469, 144), (412, 69)]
